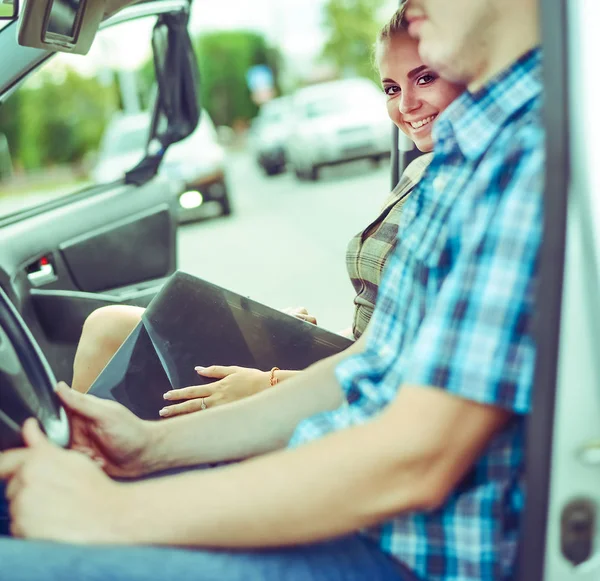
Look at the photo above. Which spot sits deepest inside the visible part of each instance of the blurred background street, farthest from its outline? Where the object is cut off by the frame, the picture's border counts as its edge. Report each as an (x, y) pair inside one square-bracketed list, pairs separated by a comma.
[(285, 242), (291, 151)]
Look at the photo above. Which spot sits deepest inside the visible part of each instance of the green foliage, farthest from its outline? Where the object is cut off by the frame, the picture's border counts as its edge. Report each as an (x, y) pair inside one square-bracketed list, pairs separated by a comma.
[(10, 125), (58, 117), (146, 81), (223, 59), (352, 27), (57, 121), (67, 119)]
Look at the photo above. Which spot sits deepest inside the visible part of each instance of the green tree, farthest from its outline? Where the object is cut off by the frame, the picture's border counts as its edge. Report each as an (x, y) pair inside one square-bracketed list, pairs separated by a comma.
[(9, 131), (56, 120), (146, 84), (352, 27), (62, 121), (224, 59)]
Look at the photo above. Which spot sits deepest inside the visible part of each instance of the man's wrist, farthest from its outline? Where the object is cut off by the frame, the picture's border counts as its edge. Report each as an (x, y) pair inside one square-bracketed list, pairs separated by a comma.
[(154, 457)]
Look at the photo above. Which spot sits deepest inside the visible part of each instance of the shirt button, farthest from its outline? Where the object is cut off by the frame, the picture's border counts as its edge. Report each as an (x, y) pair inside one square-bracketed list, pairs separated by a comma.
[(385, 351), (439, 184)]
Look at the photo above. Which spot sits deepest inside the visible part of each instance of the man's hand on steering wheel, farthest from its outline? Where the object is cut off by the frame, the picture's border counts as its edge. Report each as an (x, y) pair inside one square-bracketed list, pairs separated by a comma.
[(108, 433)]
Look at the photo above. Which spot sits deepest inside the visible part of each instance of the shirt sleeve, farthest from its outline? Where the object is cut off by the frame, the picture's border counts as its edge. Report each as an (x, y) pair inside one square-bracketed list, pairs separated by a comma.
[(476, 340)]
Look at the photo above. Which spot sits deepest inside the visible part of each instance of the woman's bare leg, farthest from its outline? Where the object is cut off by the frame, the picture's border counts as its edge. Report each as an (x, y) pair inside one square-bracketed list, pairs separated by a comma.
[(103, 333)]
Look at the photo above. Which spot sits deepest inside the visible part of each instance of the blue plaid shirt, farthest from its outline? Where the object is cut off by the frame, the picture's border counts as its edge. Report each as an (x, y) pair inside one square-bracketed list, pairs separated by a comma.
[(454, 311)]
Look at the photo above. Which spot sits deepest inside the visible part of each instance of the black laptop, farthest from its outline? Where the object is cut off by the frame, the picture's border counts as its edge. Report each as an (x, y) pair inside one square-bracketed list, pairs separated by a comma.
[(192, 322)]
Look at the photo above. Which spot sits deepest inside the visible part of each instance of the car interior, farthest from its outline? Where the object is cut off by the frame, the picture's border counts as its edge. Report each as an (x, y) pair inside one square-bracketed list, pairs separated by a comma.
[(55, 257)]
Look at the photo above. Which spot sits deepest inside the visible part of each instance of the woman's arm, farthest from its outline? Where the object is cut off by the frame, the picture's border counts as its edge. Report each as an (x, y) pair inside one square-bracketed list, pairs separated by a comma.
[(128, 447), (252, 426), (234, 383)]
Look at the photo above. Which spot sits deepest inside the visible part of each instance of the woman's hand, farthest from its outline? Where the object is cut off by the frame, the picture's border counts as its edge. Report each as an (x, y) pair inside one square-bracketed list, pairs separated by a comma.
[(300, 313), (234, 383)]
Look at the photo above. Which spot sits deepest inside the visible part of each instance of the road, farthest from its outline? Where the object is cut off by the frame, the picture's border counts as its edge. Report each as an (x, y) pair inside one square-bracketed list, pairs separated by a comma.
[(285, 243)]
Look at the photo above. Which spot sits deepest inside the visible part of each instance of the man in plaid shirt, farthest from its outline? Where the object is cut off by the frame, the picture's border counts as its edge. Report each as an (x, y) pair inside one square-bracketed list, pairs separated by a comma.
[(421, 450)]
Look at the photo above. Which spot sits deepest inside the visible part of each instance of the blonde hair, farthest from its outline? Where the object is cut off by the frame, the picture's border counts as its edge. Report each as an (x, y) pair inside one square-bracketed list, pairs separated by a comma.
[(395, 26)]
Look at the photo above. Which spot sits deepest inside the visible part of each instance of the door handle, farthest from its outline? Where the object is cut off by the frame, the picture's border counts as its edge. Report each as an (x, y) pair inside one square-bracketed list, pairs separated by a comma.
[(43, 275), (589, 566), (589, 454)]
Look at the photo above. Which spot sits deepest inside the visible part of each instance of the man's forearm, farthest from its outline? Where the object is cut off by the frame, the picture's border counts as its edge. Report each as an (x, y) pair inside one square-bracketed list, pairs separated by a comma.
[(346, 482), (409, 458), (255, 425)]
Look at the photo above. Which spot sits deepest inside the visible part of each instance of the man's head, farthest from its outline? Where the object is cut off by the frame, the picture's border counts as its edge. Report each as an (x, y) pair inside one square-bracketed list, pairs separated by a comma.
[(469, 41)]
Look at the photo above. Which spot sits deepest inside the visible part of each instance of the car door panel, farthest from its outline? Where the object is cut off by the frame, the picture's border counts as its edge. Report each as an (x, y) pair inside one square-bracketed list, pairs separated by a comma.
[(119, 241), (61, 314), (138, 249)]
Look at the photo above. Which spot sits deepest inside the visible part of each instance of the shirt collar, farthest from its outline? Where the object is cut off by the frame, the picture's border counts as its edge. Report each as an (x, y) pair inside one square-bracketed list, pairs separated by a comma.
[(476, 118)]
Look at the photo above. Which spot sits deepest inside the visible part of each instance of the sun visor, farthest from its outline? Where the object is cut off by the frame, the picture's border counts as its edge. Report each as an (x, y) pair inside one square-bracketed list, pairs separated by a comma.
[(64, 25)]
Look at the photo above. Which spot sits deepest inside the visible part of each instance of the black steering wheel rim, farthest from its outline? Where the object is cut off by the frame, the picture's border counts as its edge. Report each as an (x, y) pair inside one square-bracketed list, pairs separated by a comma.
[(45, 405)]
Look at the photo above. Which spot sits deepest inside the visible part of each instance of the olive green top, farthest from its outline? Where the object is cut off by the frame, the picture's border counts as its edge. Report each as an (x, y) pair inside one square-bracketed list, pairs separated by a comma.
[(368, 251)]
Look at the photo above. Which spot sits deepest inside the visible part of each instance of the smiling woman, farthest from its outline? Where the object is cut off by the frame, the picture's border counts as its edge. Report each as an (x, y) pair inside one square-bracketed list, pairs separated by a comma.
[(416, 94)]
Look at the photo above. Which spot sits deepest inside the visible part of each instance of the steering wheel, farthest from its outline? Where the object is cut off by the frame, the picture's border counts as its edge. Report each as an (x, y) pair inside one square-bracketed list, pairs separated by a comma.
[(26, 383)]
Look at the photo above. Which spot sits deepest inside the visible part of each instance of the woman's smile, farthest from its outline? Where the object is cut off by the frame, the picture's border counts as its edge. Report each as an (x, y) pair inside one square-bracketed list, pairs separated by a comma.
[(420, 126)]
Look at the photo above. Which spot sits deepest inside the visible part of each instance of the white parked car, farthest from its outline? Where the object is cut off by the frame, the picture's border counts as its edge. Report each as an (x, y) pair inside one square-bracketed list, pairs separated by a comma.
[(336, 122), (270, 133), (198, 161)]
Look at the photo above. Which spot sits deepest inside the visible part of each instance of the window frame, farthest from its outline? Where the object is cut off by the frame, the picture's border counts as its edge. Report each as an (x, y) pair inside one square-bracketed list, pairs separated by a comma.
[(540, 425), (29, 60)]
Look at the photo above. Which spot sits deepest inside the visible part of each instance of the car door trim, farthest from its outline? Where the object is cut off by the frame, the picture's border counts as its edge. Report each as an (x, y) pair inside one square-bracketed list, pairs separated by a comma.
[(540, 426)]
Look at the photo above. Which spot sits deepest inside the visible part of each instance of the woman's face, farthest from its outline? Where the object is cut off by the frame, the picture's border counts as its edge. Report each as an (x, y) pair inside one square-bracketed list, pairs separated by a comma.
[(415, 94)]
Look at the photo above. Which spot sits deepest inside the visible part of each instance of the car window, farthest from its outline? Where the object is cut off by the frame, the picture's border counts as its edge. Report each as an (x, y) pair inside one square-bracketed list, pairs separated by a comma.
[(60, 124), (338, 96), (129, 140), (274, 111), (320, 108)]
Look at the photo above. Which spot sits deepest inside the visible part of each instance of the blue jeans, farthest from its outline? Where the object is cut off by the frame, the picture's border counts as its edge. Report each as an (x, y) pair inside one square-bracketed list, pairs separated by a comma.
[(352, 558), (348, 559)]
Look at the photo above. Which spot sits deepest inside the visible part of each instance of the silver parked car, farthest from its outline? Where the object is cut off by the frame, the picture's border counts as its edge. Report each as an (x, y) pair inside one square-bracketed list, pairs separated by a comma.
[(335, 122), (270, 133), (197, 160)]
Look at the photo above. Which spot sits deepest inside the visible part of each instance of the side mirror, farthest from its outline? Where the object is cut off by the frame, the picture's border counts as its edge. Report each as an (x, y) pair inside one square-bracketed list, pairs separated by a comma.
[(8, 9), (177, 110)]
